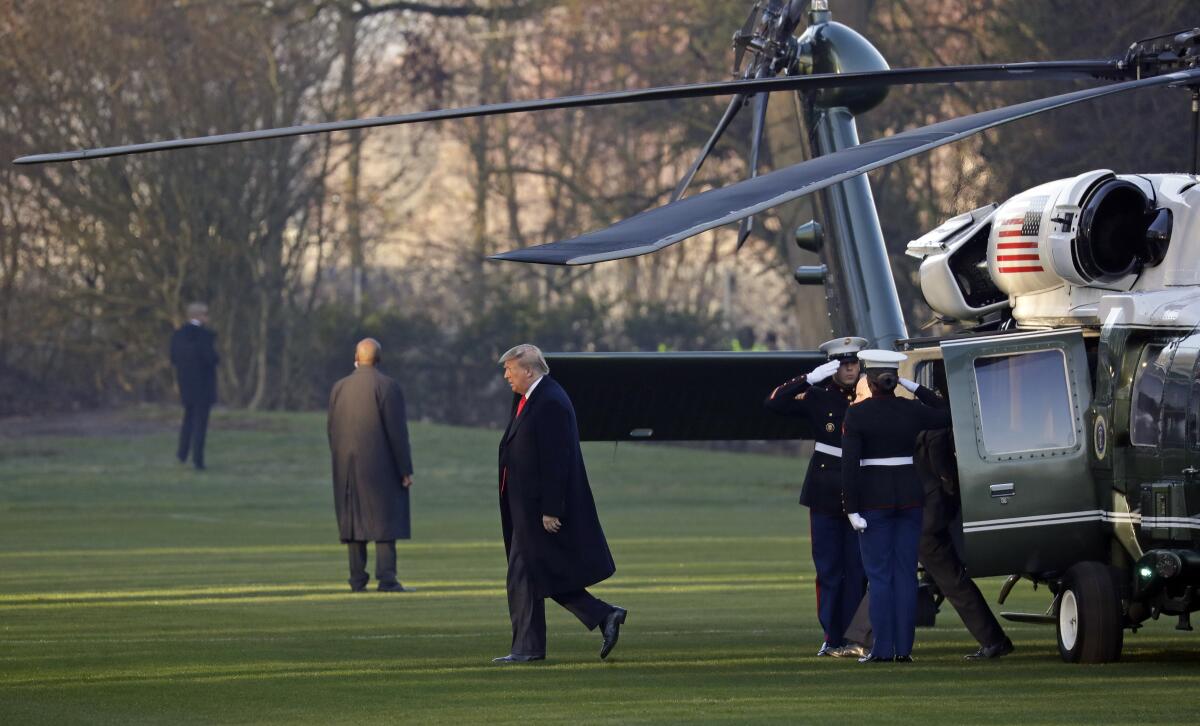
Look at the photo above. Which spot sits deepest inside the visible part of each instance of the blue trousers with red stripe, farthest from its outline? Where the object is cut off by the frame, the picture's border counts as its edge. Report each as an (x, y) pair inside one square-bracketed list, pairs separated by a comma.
[(840, 577), (889, 555)]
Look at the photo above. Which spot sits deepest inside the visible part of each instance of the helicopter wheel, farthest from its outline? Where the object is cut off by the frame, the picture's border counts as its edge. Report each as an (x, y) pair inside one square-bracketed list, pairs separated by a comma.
[(1090, 628)]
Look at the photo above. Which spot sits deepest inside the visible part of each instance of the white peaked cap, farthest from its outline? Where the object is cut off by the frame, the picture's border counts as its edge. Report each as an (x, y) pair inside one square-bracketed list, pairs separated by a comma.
[(881, 358), (843, 348)]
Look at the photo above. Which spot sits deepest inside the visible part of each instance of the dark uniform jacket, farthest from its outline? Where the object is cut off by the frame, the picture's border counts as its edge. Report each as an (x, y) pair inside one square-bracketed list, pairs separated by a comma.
[(883, 427), (824, 405), (194, 355), (368, 437), (542, 472)]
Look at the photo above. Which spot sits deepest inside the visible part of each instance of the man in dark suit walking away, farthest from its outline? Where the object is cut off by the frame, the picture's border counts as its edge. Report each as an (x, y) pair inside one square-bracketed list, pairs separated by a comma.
[(372, 467), (194, 355), (552, 535)]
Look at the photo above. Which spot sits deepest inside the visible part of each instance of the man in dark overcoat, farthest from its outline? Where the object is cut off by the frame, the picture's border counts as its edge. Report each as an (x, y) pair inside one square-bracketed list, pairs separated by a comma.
[(194, 356), (552, 535), (372, 467)]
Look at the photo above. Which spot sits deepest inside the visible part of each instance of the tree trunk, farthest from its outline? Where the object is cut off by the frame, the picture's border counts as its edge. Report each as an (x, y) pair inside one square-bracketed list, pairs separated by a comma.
[(348, 28)]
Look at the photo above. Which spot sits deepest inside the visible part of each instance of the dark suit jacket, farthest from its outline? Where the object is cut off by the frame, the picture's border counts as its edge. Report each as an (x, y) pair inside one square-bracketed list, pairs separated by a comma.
[(935, 461), (194, 355), (368, 438), (545, 476)]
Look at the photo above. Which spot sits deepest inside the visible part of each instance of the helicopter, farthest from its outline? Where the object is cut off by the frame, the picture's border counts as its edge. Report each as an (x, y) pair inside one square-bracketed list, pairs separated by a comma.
[(1072, 377)]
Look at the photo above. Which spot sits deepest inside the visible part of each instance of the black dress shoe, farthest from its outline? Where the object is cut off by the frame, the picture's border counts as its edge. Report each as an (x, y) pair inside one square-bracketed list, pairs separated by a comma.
[(515, 658), (825, 651), (903, 659), (872, 658), (995, 650), (611, 628), (394, 587)]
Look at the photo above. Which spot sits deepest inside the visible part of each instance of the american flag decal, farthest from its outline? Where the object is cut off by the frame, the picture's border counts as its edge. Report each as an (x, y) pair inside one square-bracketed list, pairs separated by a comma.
[(1017, 240)]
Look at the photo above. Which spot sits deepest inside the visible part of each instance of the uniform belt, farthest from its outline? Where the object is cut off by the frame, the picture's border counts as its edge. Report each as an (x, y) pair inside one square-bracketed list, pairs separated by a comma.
[(827, 449), (889, 461)]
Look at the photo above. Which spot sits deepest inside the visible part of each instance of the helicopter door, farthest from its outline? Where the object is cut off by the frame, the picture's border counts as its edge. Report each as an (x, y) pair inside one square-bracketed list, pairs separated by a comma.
[(1163, 405), (1018, 403)]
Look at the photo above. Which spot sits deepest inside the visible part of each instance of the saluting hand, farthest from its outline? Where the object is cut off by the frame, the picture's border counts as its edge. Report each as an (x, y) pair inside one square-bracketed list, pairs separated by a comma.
[(551, 524), (823, 371)]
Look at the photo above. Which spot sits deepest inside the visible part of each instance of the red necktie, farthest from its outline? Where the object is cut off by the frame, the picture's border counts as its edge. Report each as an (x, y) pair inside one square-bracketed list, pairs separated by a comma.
[(504, 475)]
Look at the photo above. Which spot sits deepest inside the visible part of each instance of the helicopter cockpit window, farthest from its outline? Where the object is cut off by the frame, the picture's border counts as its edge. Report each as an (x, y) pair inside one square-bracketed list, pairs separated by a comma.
[(1025, 402), (1146, 401)]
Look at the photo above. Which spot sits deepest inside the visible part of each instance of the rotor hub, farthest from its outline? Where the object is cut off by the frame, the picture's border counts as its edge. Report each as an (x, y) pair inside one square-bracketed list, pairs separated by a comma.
[(830, 47)]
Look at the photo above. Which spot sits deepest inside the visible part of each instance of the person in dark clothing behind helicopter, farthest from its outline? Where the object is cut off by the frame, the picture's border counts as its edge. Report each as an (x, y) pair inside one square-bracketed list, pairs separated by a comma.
[(194, 356), (822, 397), (938, 553), (883, 498)]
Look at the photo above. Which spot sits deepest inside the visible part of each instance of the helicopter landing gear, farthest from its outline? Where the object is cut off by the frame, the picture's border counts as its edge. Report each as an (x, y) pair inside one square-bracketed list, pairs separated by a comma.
[(1089, 624)]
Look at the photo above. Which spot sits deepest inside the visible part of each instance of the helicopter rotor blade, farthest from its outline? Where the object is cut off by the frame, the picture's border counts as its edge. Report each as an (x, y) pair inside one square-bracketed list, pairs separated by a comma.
[(658, 228), (1062, 70), (760, 119), (735, 105)]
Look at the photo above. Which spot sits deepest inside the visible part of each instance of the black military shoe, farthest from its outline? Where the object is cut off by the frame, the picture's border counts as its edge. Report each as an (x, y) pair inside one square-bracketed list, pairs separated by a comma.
[(872, 658), (903, 659), (825, 651), (611, 628), (995, 650)]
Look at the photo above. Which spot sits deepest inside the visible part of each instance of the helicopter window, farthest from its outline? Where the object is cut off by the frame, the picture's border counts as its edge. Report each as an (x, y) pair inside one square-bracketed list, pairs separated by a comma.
[(1176, 391), (1025, 402), (1146, 401)]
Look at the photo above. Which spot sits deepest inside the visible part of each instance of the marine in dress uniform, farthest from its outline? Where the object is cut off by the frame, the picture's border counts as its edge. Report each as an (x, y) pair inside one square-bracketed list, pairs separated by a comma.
[(883, 496), (822, 397)]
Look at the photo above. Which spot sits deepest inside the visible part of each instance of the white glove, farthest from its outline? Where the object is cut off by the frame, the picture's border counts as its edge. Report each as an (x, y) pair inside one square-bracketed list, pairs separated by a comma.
[(856, 521), (910, 386), (823, 371)]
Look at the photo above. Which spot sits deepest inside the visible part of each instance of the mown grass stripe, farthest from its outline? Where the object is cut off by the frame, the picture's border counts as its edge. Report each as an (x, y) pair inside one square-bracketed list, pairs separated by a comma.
[(494, 591), (493, 544), (317, 588)]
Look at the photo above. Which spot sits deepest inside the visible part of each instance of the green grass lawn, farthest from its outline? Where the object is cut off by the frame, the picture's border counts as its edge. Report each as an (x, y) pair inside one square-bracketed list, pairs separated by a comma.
[(133, 590)]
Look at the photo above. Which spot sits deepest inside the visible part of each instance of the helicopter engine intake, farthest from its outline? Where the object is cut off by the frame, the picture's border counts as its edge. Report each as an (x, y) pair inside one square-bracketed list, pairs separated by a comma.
[(1051, 252), (1095, 230)]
